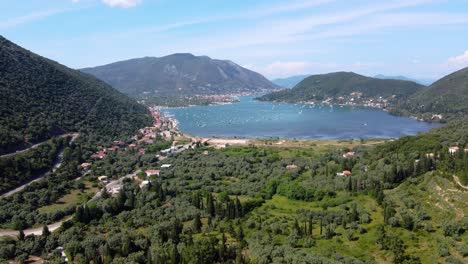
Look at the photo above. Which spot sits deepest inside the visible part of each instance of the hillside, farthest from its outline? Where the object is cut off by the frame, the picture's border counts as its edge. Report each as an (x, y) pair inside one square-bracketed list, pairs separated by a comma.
[(398, 203), (447, 96), (180, 74), (289, 82), (41, 98), (343, 84)]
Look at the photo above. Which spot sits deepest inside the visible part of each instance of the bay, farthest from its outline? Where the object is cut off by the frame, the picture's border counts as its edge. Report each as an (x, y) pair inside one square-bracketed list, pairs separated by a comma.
[(254, 119)]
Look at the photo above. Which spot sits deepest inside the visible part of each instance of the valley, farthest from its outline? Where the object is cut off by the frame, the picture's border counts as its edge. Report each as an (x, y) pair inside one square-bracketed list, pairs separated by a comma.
[(138, 131)]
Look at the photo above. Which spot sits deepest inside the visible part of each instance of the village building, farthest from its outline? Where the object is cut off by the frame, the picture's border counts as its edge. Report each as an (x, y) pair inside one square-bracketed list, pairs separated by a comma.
[(152, 172), (114, 148), (454, 149), (165, 166), (344, 173), (348, 154), (85, 165), (291, 167), (103, 179), (144, 183), (99, 155)]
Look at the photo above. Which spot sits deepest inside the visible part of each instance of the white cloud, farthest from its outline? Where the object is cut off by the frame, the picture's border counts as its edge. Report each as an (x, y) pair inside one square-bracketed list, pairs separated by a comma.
[(21, 20), (459, 61), (289, 7), (122, 3)]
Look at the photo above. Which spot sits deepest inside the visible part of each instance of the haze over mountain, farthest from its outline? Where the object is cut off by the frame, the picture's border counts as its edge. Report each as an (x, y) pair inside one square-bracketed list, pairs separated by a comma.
[(404, 78), (289, 82), (322, 86), (41, 98), (180, 74), (449, 95)]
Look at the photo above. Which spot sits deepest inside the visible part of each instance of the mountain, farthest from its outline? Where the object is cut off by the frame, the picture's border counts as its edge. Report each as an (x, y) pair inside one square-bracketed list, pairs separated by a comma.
[(289, 82), (447, 96), (425, 81), (342, 84), (41, 99), (180, 74)]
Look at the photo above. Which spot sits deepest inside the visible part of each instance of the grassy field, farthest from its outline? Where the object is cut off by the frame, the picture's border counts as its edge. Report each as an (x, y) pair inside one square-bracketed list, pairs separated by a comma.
[(75, 197)]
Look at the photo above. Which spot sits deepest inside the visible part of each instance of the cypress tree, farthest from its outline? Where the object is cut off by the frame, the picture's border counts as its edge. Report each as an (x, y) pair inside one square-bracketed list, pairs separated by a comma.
[(45, 231), (210, 206), (21, 235), (197, 224)]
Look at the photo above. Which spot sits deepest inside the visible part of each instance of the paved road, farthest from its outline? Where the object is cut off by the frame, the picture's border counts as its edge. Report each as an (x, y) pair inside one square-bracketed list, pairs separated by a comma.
[(109, 186), (74, 136), (57, 165), (34, 231)]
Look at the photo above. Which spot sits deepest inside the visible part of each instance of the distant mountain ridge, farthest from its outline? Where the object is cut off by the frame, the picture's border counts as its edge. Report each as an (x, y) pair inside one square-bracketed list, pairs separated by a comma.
[(332, 85), (41, 98), (404, 78), (180, 74), (289, 82)]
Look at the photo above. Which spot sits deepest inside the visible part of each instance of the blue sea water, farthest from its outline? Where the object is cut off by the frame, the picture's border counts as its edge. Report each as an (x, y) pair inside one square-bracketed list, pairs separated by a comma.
[(253, 119)]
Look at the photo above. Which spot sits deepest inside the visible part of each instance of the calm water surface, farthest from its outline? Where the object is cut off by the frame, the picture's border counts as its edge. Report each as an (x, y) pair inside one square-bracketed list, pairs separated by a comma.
[(254, 119)]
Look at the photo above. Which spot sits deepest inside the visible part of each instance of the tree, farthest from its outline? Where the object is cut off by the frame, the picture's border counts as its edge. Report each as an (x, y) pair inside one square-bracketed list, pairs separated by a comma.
[(197, 224), (45, 231), (21, 235), (210, 206)]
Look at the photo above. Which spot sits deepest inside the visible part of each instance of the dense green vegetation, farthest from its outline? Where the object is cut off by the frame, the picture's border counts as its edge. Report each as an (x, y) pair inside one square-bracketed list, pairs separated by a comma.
[(447, 96), (243, 205), (41, 99), (180, 75), (322, 86), (21, 168)]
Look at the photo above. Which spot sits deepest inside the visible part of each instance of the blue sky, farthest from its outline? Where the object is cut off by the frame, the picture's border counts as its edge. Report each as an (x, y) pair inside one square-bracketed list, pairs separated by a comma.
[(278, 38)]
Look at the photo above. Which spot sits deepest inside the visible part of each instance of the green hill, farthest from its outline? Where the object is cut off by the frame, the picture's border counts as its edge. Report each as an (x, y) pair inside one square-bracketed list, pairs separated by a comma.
[(447, 96), (180, 74), (41, 98), (332, 85)]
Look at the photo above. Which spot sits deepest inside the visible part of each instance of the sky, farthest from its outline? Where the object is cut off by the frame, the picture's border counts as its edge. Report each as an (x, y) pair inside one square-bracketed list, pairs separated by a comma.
[(277, 38)]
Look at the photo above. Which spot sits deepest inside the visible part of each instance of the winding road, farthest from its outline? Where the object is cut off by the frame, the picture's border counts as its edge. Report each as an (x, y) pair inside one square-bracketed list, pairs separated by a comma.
[(55, 167), (74, 135), (56, 225)]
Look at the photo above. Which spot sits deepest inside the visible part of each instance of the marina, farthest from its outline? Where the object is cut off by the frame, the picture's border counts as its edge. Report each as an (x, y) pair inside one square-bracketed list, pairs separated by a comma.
[(253, 119)]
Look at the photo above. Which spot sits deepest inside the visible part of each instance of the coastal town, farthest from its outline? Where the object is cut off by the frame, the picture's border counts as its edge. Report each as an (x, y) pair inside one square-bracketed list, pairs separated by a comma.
[(356, 99), (163, 129)]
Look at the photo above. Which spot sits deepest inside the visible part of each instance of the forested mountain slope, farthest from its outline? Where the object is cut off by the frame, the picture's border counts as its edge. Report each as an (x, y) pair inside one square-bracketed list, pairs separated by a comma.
[(180, 74), (41, 98), (333, 85), (447, 96)]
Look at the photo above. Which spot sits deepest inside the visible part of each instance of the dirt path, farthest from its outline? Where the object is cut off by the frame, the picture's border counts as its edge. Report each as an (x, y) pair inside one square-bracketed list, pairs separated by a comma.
[(457, 180)]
